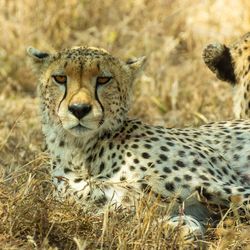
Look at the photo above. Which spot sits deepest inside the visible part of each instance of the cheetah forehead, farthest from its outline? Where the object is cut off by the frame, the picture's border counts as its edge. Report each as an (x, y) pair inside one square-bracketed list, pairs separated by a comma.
[(90, 48), (80, 52)]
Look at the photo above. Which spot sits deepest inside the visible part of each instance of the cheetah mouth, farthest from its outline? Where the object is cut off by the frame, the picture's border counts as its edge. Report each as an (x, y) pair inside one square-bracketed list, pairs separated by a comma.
[(78, 129)]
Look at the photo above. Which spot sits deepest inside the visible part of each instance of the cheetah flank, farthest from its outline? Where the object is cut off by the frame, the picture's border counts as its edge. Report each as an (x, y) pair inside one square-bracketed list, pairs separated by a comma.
[(100, 156), (232, 64)]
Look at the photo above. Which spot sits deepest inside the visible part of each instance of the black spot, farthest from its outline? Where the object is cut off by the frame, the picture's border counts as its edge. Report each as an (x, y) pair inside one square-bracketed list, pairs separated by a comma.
[(163, 157), (241, 189), (163, 148), (122, 178), (233, 177), (160, 132), (129, 154), (134, 146), (177, 179), (180, 164), (145, 155), (207, 184), (147, 146), (131, 168), (167, 170), (240, 147), (111, 145), (101, 167), (181, 153), (203, 177), (224, 170), (236, 157), (213, 160), (89, 159), (211, 171), (187, 177), (101, 152), (61, 143), (53, 164), (186, 147), (67, 170), (143, 168), (193, 169), (115, 170), (197, 162), (136, 161), (169, 186), (135, 127), (77, 180), (114, 165), (154, 139), (151, 164), (175, 168), (227, 190)]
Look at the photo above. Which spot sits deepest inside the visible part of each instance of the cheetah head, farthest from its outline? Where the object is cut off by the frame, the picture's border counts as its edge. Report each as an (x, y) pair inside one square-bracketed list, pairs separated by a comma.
[(229, 63), (84, 89)]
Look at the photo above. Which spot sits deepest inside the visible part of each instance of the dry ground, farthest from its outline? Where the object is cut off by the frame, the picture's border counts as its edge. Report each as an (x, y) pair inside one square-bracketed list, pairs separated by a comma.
[(176, 89)]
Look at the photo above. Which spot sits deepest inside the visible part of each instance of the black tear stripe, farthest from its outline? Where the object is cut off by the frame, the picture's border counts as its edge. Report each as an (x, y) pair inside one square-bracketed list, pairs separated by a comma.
[(65, 93), (98, 100)]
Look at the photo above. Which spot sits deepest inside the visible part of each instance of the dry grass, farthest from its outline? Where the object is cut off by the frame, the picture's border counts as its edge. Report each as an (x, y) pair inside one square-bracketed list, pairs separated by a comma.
[(176, 90)]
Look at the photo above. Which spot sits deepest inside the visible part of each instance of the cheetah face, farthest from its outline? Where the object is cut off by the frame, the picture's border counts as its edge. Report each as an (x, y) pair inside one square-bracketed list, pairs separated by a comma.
[(85, 90)]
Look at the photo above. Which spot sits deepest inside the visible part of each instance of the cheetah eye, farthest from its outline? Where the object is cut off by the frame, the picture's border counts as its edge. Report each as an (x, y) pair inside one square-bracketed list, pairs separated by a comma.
[(103, 79), (60, 79)]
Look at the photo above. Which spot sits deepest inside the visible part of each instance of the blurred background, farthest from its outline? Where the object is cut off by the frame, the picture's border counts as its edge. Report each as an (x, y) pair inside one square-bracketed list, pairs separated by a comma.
[(176, 88)]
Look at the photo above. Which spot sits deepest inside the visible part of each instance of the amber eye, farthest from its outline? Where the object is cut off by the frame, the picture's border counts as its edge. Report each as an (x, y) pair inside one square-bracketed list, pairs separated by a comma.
[(60, 79), (103, 79)]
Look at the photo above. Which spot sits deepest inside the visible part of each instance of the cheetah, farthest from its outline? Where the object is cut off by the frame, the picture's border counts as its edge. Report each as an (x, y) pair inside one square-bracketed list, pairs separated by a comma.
[(100, 156), (232, 64)]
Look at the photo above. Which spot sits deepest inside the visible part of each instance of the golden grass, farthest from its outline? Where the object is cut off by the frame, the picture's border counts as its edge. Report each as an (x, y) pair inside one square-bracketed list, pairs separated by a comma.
[(175, 90)]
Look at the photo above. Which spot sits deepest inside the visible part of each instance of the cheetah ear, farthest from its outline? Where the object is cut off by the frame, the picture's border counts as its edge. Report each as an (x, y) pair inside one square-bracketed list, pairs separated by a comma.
[(218, 58), (37, 55), (38, 58), (136, 65)]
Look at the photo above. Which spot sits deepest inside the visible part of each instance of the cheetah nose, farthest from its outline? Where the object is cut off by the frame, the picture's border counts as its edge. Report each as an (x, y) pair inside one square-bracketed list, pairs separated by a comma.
[(79, 110)]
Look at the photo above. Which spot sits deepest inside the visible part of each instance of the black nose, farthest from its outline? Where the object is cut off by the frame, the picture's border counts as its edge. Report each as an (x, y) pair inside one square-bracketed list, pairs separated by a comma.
[(79, 110)]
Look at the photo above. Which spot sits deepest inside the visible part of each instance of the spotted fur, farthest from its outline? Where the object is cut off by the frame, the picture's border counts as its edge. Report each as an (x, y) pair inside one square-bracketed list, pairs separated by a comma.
[(232, 64), (101, 157)]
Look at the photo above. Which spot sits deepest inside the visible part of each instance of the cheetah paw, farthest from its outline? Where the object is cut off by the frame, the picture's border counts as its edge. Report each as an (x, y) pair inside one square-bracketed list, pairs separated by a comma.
[(188, 228)]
